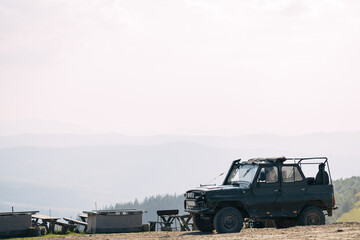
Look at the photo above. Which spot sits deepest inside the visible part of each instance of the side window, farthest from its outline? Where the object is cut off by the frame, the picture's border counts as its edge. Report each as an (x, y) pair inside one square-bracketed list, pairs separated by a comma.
[(268, 175), (291, 174)]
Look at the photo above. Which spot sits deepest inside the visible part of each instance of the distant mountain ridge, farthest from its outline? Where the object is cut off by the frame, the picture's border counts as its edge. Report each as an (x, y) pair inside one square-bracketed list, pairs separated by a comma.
[(340, 147), (269, 141), (36, 126)]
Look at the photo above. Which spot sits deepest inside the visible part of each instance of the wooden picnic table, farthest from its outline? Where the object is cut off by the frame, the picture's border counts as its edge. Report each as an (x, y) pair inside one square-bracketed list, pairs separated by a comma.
[(47, 221), (168, 217), (66, 227), (168, 220), (74, 222)]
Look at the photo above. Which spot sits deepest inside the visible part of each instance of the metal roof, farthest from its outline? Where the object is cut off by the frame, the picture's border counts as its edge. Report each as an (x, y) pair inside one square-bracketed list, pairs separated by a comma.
[(115, 212), (18, 213)]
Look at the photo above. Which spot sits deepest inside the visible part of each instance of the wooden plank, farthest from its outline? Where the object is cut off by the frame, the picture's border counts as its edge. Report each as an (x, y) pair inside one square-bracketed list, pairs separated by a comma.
[(44, 217), (63, 224), (70, 220), (83, 217)]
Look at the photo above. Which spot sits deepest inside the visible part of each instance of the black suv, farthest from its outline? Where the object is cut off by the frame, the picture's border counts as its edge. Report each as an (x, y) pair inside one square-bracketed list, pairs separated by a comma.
[(264, 189)]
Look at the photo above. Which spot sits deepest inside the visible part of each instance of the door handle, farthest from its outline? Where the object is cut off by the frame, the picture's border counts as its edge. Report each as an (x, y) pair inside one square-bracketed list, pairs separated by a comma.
[(276, 190), (303, 189)]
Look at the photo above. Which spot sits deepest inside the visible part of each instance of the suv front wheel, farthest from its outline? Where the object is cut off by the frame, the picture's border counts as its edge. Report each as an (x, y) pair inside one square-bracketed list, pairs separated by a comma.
[(312, 216), (228, 220)]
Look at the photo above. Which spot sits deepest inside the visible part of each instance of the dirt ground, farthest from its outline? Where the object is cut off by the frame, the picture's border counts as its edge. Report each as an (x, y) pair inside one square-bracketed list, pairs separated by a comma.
[(333, 231)]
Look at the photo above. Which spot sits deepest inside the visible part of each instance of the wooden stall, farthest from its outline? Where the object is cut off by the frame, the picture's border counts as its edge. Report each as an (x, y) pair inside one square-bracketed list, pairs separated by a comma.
[(15, 224), (114, 221)]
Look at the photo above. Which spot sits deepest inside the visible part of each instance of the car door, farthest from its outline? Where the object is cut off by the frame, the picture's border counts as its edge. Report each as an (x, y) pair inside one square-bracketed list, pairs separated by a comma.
[(266, 192), (293, 187)]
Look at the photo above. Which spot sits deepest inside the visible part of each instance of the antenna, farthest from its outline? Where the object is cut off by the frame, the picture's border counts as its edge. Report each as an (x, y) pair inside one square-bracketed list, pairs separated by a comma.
[(214, 179)]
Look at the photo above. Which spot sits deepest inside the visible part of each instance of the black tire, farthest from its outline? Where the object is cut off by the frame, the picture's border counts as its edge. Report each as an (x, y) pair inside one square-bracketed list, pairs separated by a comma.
[(228, 220), (204, 225), (285, 222), (312, 216)]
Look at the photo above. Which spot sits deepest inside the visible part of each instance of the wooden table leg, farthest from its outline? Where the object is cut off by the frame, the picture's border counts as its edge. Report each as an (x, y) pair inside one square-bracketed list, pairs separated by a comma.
[(45, 224), (52, 226)]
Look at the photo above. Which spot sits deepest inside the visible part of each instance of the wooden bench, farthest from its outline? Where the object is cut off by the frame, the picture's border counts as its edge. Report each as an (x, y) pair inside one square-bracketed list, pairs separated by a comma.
[(74, 222), (66, 227)]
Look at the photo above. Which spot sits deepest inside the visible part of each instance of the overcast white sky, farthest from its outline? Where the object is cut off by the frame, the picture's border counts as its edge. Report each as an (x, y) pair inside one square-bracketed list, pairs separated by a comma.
[(143, 67)]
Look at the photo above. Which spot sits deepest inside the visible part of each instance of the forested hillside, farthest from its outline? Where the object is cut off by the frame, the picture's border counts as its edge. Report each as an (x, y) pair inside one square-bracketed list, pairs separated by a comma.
[(347, 193), (353, 215)]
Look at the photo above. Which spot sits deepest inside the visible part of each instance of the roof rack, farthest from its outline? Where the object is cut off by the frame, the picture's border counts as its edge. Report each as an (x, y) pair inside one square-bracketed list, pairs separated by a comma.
[(272, 160)]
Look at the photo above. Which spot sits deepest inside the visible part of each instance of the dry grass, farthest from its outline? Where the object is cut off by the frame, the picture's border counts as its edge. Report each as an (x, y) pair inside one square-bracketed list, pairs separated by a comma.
[(334, 231)]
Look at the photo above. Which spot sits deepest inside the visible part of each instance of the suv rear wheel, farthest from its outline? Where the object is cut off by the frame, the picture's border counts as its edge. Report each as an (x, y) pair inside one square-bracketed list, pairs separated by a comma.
[(228, 220), (312, 216), (204, 225)]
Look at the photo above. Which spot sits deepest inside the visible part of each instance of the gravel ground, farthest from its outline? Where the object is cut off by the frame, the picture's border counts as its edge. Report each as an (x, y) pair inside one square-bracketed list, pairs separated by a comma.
[(333, 231)]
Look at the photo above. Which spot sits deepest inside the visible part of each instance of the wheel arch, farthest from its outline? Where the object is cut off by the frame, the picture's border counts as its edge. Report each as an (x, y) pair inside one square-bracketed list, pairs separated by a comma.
[(316, 203), (235, 204)]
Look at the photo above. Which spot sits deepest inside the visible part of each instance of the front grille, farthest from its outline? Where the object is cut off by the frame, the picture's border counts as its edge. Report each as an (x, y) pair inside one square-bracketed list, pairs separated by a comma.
[(193, 194)]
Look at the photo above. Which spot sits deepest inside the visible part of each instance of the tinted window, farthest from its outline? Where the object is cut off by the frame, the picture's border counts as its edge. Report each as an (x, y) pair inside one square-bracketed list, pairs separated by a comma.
[(291, 174), (270, 173)]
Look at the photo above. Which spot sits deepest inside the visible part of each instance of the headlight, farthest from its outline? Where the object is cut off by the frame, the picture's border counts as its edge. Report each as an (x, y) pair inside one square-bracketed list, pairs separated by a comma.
[(190, 204), (190, 195)]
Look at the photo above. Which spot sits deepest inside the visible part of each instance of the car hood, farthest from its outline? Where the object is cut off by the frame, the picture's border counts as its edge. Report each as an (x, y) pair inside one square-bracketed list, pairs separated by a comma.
[(219, 188)]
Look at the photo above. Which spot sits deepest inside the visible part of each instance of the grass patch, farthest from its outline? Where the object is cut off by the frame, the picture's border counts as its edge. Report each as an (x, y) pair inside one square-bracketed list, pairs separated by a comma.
[(352, 216), (52, 235)]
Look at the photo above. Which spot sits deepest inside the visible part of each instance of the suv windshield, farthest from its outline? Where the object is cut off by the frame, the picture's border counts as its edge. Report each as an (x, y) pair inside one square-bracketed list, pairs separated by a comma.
[(242, 174)]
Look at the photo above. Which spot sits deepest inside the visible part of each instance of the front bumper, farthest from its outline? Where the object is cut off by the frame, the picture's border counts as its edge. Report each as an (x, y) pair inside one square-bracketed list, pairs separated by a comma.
[(195, 206), (197, 210)]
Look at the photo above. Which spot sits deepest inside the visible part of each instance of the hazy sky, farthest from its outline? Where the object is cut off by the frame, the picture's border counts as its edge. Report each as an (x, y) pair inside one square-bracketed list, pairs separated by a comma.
[(145, 67)]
